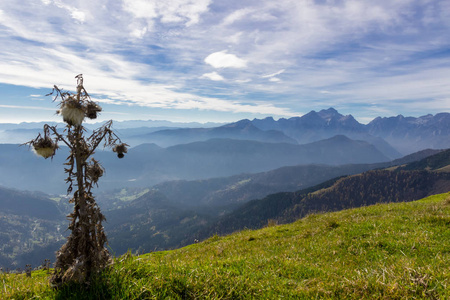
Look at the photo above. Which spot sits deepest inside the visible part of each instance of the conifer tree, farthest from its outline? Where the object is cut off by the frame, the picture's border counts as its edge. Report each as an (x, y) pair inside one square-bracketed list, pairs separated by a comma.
[(84, 253)]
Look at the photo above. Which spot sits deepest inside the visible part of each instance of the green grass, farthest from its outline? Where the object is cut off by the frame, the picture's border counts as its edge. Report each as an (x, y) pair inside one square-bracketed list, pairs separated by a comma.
[(393, 251)]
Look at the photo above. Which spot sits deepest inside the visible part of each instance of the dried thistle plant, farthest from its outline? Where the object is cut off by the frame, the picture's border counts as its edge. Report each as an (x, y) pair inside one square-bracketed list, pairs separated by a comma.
[(84, 253)]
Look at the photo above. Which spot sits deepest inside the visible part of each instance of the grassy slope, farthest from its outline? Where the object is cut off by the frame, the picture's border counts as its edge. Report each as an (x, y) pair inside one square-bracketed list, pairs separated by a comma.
[(389, 251)]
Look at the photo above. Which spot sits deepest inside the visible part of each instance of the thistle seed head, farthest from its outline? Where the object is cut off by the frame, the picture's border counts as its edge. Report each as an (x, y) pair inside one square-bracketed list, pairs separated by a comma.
[(44, 147), (72, 111), (94, 170), (120, 149), (92, 109)]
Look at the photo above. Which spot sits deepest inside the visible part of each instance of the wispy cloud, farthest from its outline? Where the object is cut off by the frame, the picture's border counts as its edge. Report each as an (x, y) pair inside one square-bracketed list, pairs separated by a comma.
[(273, 74), (21, 107)]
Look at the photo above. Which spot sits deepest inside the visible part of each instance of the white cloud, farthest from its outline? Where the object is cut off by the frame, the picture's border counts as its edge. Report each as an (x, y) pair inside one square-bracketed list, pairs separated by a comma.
[(139, 33), (141, 8), (235, 38), (236, 15), (252, 14), (224, 60), (186, 12), (76, 14), (213, 76), (243, 80), (79, 15), (189, 10), (272, 77), (37, 97)]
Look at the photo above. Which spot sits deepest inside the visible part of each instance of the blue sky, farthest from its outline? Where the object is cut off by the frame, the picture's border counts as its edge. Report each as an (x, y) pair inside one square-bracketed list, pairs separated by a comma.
[(211, 60)]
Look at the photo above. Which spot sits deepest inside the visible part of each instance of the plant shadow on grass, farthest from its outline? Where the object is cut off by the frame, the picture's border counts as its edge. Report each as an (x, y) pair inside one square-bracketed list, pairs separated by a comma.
[(132, 282), (100, 288)]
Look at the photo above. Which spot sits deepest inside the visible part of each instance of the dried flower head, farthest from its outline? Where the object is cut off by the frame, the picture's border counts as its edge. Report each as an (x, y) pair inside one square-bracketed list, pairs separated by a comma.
[(92, 109), (72, 111), (120, 149), (94, 171), (44, 147)]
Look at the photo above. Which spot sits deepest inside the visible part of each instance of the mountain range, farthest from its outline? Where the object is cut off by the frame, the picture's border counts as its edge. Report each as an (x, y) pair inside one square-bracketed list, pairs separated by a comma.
[(148, 164), (393, 136), (242, 130), (406, 135)]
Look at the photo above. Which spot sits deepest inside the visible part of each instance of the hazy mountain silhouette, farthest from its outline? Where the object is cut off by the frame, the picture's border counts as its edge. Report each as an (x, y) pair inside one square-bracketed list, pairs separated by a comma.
[(406, 135), (409, 134), (242, 130), (148, 164), (315, 126)]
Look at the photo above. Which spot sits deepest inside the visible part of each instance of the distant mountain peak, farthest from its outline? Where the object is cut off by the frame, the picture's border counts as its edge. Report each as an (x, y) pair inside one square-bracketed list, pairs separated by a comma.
[(270, 118), (245, 123), (330, 110)]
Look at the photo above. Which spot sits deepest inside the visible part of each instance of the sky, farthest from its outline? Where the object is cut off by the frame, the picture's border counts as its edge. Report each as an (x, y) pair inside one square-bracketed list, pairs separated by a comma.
[(226, 60)]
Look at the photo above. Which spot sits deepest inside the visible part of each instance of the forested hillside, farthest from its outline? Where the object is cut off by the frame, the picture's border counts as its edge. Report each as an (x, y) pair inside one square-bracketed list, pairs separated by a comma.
[(434, 162), (381, 186)]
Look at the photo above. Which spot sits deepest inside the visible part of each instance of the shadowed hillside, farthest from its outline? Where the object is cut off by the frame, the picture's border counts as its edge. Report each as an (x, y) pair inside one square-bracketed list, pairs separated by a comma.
[(368, 188)]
